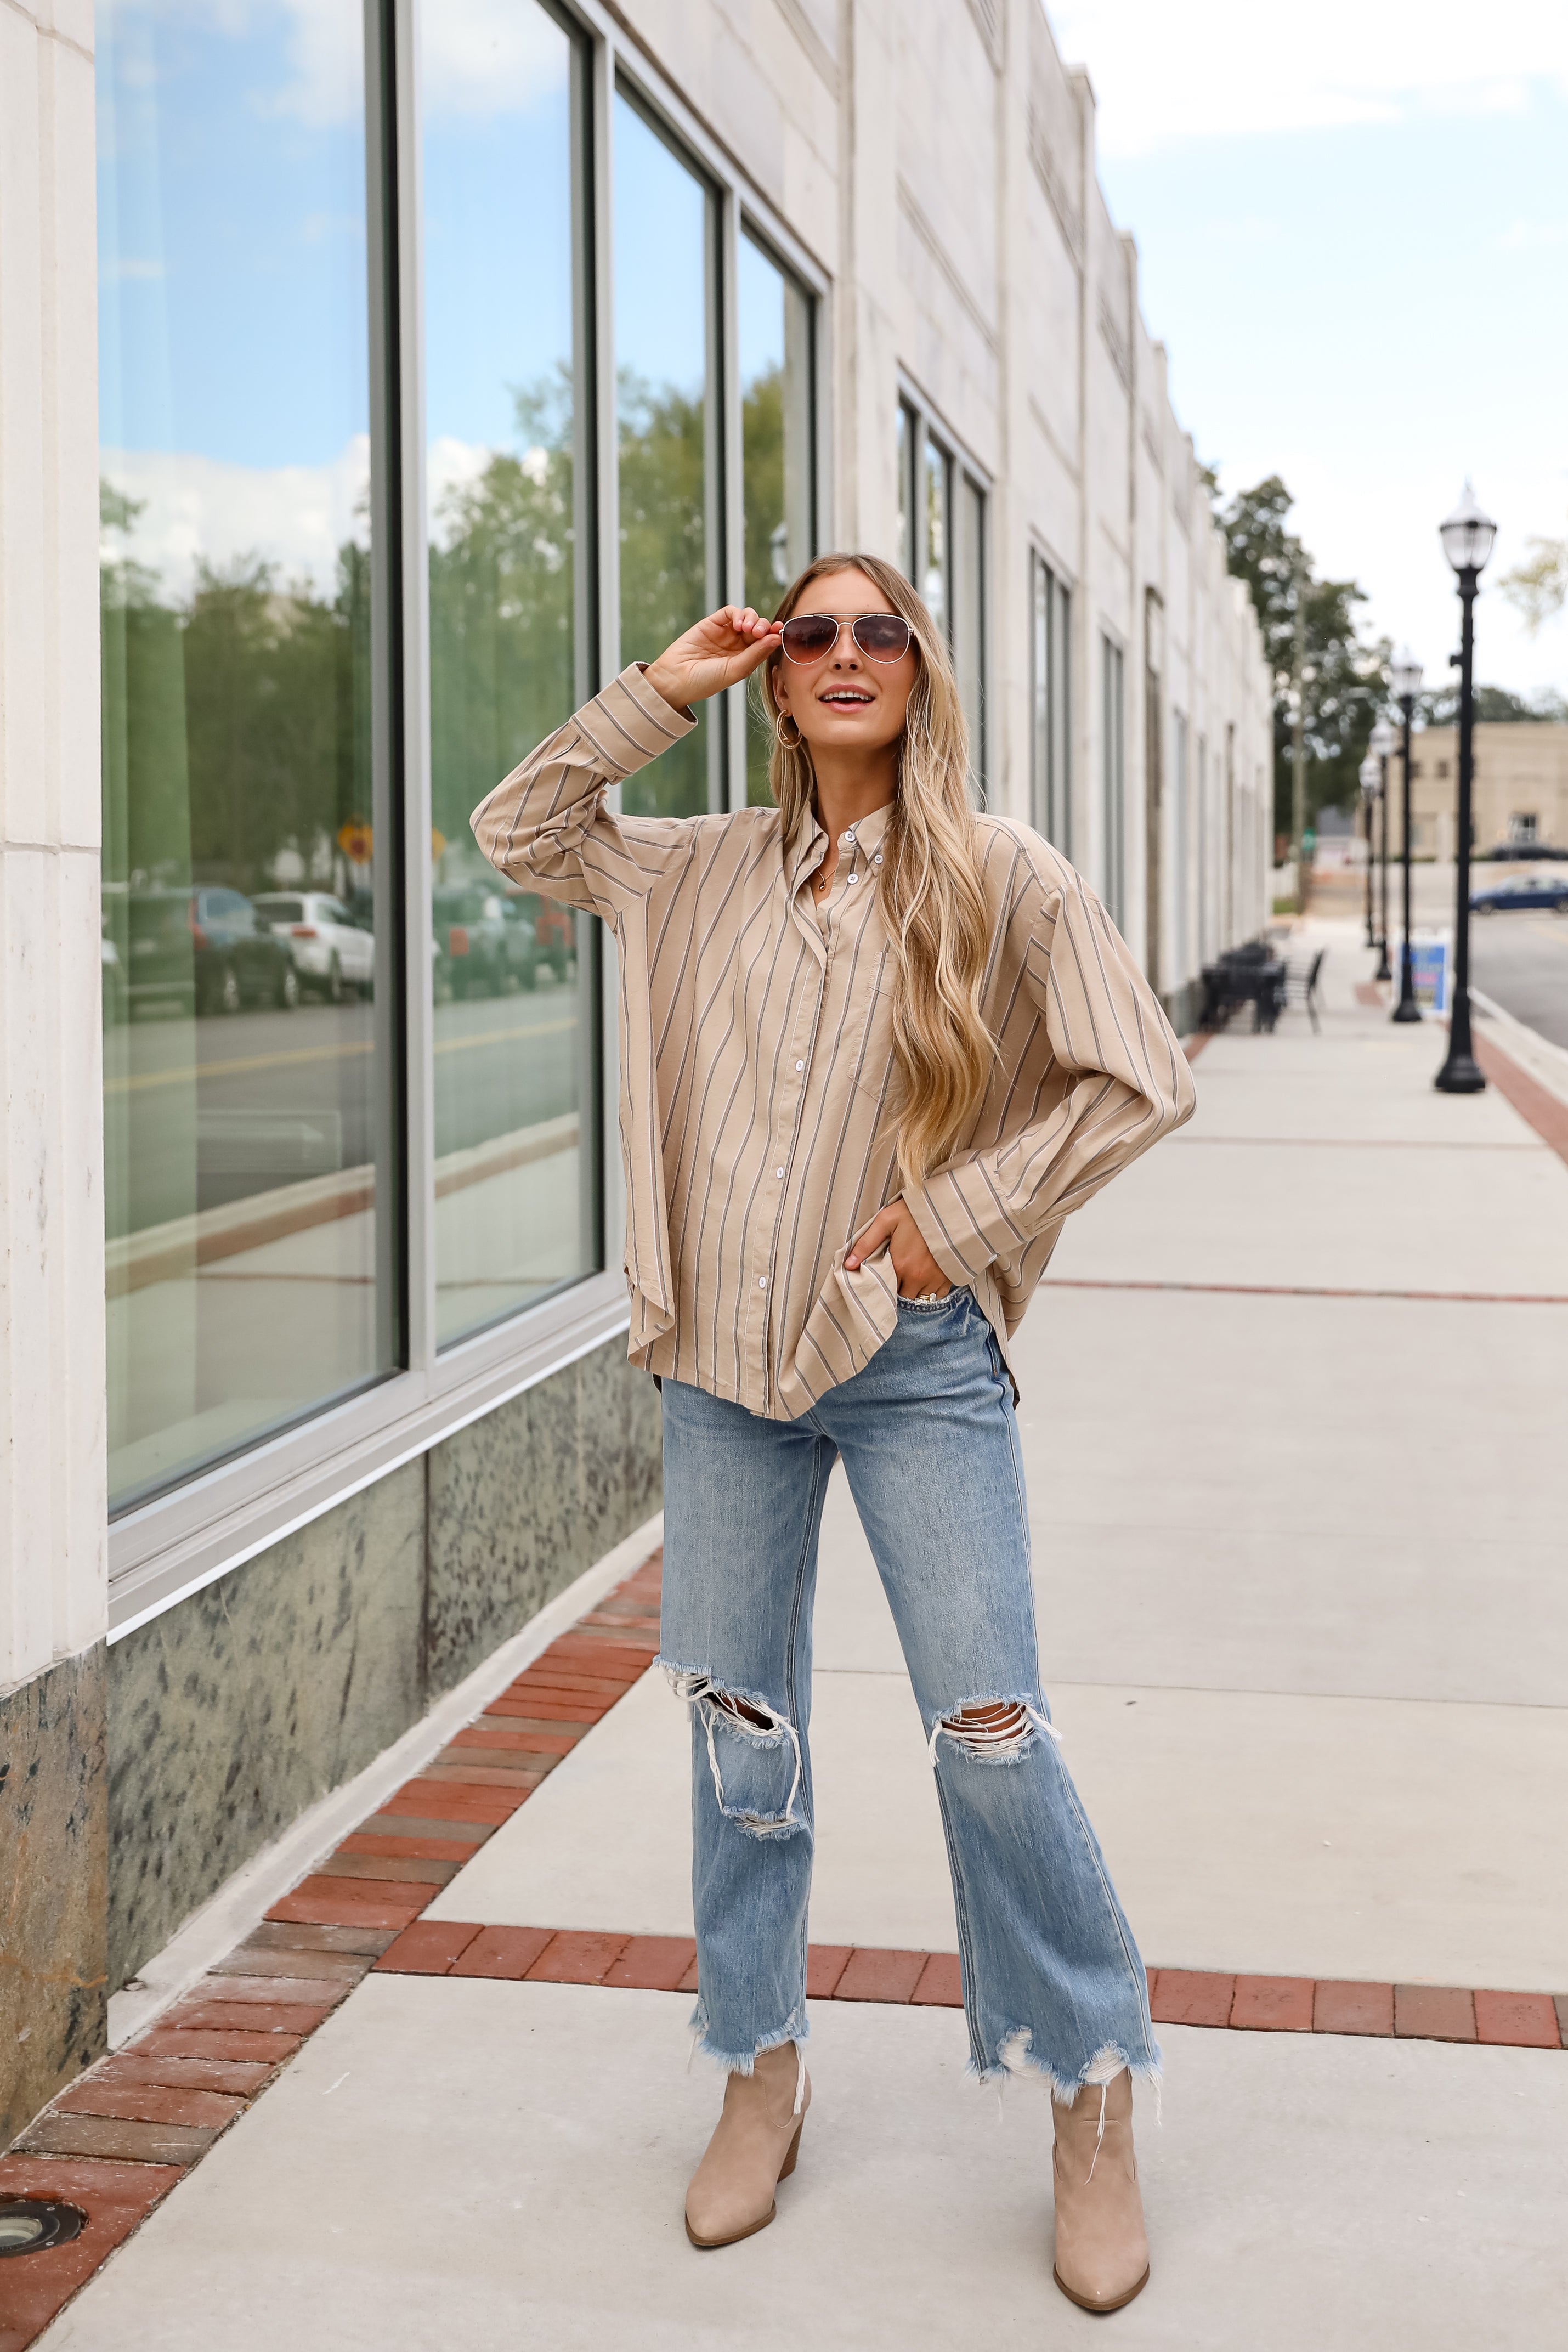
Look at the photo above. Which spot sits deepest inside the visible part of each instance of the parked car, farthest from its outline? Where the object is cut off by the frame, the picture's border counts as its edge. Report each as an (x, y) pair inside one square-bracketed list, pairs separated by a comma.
[(210, 947), (555, 929), (332, 953), (1523, 852), (1548, 890), (481, 949)]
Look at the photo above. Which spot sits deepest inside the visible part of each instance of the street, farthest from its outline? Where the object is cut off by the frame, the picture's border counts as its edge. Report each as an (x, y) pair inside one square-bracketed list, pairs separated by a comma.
[(1521, 961)]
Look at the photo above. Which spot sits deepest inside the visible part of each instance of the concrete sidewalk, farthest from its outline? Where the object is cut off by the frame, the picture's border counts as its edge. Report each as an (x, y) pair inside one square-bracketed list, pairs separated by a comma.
[(1297, 1520)]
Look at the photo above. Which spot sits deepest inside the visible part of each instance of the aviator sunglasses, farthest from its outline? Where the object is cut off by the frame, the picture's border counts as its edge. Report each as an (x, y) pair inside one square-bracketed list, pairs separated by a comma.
[(881, 636)]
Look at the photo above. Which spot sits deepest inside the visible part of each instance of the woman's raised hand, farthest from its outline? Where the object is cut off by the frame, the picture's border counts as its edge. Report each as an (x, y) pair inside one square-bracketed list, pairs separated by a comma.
[(730, 645)]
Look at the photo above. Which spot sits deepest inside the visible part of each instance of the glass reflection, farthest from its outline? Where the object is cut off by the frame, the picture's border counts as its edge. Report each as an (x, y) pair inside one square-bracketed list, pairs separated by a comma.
[(241, 1080), (969, 621), (937, 559), (515, 1213), (774, 328), (667, 430)]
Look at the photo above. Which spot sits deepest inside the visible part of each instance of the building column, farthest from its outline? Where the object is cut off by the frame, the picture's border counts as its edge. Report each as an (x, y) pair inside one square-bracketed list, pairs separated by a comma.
[(53, 1538)]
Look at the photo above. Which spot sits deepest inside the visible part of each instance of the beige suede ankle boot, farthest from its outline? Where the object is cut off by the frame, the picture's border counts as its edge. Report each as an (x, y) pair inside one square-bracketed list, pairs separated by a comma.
[(753, 2149), (1102, 2253)]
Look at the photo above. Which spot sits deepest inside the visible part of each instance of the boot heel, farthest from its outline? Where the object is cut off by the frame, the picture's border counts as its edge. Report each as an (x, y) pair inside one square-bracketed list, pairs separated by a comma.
[(789, 2165)]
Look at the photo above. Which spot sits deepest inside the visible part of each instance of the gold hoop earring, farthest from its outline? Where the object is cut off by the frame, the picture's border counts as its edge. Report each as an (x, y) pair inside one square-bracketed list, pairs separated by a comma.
[(778, 735)]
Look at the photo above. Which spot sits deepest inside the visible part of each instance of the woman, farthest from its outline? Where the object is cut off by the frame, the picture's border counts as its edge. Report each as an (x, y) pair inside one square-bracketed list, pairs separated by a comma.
[(874, 1049)]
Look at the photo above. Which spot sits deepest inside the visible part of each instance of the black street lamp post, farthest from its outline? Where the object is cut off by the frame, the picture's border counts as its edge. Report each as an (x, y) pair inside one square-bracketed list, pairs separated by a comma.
[(1405, 674), (1381, 742), (1368, 779), (1467, 536)]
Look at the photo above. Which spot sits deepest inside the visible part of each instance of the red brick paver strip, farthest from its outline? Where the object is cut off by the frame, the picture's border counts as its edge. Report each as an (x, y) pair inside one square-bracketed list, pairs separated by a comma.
[(238, 2075), (147, 2103), (348, 1903), (168, 2041), (197, 2016), (940, 1984), (114, 2197), (429, 1947), (1539, 1109), (360, 1943), (1273, 2005), (271, 1990), (654, 1963), (505, 1731), (1434, 2013), (467, 1835), (369, 1845), (871, 1974), (825, 1964), (1345, 2008), (1191, 1997), (1560, 2003), (483, 1775), (441, 1800), (112, 2140), (571, 1956), (1527, 2021), (508, 1952)]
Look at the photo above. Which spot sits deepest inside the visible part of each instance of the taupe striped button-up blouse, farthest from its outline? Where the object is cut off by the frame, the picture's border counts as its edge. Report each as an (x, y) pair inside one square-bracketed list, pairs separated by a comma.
[(757, 1074)]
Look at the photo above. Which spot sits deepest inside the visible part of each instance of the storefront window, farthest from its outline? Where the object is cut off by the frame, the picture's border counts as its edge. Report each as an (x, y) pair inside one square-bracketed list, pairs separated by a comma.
[(507, 471), (667, 413), (1050, 682), (969, 620), (247, 1159), (774, 331)]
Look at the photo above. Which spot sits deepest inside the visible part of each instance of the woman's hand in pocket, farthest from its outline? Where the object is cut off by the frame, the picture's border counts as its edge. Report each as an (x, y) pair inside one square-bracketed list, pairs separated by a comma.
[(919, 1275)]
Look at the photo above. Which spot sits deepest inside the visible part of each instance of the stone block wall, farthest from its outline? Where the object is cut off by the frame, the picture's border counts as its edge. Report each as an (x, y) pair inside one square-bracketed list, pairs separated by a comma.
[(237, 1709)]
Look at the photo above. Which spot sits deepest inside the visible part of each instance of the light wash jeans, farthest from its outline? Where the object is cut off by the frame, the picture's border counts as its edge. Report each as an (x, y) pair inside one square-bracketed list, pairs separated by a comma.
[(1052, 1979)]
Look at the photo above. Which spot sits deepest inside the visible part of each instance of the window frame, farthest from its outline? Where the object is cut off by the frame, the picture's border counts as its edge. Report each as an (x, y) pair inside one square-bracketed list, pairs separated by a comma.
[(193, 1533), (924, 426), (1050, 746)]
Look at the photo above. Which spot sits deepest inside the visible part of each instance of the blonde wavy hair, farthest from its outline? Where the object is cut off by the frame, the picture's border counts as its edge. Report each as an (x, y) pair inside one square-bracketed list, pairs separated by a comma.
[(933, 904)]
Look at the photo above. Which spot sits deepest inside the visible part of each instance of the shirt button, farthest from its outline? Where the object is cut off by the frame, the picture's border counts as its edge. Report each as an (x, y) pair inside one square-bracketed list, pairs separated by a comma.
[(778, 1171), (800, 1065), (762, 1282), (849, 878), (877, 859)]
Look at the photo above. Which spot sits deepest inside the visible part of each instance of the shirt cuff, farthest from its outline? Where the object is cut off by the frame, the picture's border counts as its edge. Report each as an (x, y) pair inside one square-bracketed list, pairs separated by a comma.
[(949, 1226)]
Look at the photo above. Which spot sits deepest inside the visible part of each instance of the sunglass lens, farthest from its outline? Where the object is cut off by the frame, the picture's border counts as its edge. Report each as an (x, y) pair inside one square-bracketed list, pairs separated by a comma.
[(882, 636), (809, 634)]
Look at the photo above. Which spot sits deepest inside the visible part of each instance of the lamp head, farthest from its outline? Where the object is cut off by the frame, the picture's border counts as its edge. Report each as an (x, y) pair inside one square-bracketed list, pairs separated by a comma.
[(1404, 675), (1371, 776), (1468, 534), (1382, 739)]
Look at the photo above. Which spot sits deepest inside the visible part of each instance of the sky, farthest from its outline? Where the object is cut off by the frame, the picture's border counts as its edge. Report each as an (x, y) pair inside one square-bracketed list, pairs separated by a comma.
[(1353, 230)]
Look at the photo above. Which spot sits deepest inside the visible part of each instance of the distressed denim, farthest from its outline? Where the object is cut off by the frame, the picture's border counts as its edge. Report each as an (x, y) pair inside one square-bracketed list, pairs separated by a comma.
[(1052, 1979)]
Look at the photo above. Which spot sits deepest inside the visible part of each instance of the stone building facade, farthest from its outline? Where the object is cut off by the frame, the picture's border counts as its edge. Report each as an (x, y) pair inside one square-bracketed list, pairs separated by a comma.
[(408, 371)]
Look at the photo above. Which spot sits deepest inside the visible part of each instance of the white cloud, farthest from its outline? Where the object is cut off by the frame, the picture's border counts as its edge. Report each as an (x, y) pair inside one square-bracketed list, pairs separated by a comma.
[(1533, 237), (1164, 74), (480, 58), (295, 516)]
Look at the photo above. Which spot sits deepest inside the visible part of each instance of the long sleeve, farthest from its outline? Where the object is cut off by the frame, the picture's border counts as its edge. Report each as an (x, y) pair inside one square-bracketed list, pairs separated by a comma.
[(547, 824), (1115, 1081)]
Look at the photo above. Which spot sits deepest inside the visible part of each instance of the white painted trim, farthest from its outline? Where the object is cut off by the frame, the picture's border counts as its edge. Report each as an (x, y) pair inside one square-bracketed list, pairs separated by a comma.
[(238, 1906)]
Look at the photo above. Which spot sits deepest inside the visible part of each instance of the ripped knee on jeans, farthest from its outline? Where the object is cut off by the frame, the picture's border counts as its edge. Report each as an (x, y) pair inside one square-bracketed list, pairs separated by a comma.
[(757, 1728), (992, 1730)]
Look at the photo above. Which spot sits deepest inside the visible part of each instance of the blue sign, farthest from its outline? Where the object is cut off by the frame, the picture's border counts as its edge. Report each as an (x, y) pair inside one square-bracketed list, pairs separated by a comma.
[(1430, 965)]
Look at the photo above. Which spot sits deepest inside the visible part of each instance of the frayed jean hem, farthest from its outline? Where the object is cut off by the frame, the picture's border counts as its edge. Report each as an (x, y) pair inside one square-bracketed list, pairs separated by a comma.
[(1016, 2058), (734, 2061)]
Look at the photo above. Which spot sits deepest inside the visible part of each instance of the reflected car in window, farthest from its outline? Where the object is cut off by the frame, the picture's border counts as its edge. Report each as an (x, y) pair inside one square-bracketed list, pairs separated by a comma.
[(210, 949), (555, 929), (1521, 890), (480, 949), (333, 954)]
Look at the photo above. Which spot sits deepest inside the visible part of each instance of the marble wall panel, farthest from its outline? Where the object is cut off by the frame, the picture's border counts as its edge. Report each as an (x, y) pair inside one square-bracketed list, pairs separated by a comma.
[(523, 1501), (233, 1712), (53, 1847)]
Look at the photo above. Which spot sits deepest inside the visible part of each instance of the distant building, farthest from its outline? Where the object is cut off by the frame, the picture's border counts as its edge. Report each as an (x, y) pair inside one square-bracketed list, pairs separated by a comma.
[(1520, 788)]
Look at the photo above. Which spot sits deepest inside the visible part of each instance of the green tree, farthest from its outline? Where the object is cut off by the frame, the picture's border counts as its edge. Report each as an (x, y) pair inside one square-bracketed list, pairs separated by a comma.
[(1342, 672), (664, 565), (503, 669)]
